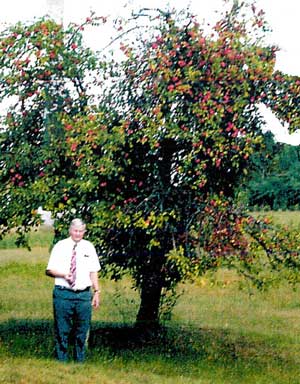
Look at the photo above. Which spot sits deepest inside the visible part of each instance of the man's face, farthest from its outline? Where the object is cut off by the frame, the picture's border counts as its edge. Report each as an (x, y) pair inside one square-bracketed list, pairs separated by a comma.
[(77, 232)]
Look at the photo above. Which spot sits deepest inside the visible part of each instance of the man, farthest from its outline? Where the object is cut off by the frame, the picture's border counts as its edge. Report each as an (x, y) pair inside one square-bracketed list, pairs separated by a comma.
[(74, 264)]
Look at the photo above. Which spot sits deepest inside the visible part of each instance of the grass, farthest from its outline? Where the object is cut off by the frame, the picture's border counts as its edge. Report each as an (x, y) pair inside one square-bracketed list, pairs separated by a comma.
[(218, 334), (41, 237), (287, 218)]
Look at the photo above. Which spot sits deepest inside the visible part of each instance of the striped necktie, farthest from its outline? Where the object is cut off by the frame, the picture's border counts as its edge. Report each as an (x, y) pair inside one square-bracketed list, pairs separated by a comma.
[(73, 266)]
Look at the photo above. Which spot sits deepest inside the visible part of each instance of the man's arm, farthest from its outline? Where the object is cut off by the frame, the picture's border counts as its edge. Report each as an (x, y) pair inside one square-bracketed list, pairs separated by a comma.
[(95, 286), (54, 273)]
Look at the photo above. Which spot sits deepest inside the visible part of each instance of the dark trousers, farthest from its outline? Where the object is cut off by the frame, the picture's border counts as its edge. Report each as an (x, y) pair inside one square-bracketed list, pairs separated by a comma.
[(72, 318)]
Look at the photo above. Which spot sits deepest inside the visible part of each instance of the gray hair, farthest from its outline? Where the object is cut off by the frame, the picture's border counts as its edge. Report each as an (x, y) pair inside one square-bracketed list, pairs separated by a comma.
[(77, 223)]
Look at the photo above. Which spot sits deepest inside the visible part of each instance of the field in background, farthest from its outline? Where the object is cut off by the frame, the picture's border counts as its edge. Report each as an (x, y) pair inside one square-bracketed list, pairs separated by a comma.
[(219, 333), (43, 236), (39, 238), (288, 218)]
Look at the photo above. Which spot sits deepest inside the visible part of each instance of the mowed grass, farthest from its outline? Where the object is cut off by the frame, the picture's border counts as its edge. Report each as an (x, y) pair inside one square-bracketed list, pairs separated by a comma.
[(289, 219), (219, 333), (39, 238)]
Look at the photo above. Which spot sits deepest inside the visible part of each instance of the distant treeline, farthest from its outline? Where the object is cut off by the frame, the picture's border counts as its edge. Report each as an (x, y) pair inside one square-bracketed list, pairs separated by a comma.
[(273, 180)]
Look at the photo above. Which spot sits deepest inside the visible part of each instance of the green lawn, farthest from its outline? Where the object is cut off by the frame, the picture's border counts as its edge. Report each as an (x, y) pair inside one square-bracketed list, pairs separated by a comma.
[(219, 333)]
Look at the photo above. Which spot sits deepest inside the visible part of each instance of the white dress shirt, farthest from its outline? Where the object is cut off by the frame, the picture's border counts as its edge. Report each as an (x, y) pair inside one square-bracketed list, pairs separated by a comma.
[(86, 262)]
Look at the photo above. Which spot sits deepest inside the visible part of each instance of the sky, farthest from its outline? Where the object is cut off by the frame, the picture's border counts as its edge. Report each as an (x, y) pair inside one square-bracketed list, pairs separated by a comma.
[(282, 15)]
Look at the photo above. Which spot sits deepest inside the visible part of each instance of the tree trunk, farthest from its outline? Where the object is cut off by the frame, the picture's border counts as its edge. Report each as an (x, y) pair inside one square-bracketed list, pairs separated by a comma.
[(152, 276), (151, 284), (148, 314)]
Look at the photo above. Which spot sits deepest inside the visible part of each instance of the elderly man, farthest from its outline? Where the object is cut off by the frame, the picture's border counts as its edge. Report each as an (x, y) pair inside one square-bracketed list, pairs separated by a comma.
[(74, 264)]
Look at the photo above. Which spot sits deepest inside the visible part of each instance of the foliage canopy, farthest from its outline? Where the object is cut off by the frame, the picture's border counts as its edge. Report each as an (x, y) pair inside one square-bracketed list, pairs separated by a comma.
[(149, 149)]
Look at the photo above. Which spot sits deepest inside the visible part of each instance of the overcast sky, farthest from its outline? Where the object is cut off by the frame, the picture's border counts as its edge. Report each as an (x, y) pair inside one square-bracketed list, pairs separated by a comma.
[(282, 15)]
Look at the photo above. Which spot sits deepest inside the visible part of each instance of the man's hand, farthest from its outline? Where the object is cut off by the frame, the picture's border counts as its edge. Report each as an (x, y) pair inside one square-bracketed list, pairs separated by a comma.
[(96, 300), (68, 277)]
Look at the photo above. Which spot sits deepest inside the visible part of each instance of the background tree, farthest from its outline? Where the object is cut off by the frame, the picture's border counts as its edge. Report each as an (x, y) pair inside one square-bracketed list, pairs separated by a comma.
[(273, 177), (153, 162)]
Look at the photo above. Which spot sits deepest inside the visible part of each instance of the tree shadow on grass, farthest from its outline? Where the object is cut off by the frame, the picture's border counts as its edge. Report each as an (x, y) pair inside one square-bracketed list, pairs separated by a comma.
[(180, 345), (32, 338), (187, 351)]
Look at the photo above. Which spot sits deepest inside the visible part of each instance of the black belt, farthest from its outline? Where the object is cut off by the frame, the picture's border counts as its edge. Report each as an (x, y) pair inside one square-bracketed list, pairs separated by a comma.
[(72, 290)]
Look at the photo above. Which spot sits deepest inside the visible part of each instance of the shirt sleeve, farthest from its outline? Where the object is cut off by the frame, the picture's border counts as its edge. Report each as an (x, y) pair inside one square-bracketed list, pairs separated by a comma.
[(56, 261), (51, 261), (95, 264)]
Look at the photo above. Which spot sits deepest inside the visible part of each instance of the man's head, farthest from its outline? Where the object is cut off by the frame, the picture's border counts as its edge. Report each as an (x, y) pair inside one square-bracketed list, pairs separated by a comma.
[(77, 230)]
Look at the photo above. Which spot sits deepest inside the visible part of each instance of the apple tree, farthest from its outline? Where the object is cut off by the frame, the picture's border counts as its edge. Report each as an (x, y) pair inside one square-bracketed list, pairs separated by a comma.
[(149, 147)]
